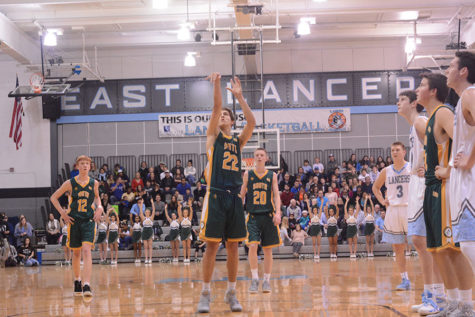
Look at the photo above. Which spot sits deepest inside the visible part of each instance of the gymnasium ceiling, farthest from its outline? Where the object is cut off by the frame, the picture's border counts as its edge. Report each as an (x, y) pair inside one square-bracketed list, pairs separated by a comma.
[(131, 23)]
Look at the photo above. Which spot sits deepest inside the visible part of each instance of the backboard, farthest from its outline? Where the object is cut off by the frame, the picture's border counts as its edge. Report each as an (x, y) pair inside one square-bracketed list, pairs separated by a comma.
[(48, 89)]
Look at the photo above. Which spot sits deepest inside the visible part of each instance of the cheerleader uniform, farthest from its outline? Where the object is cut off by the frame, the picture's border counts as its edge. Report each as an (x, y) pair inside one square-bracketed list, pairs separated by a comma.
[(314, 229), (351, 229), (147, 232), (101, 238), (332, 228), (113, 232), (136, 233), (185, 231), (174, 230), (369, 227)]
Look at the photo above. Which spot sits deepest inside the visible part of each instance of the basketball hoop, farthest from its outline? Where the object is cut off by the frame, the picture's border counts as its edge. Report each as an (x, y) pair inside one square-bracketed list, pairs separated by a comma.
[(248, 163), (37, 82)]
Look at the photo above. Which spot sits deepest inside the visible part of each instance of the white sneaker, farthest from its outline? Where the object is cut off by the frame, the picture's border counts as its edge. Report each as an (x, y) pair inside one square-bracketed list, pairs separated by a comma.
[(175, 259), (316, 257), (137, 260)]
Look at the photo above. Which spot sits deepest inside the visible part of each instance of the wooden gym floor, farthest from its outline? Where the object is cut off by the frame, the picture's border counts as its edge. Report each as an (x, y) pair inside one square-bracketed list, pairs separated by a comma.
[(362, 287)]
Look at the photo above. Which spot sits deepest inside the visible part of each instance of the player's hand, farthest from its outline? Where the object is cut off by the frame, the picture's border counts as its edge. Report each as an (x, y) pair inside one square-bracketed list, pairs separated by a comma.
[(214, 77), (462, 161), (357, 198), (98, 214), (421, 171), (441, 172), (276, 219), (67, 219), (386, 202), (236, 88)]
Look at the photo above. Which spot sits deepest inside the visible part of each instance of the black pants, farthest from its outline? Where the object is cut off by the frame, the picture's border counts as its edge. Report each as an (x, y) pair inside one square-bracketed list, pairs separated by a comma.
[(52, 238)]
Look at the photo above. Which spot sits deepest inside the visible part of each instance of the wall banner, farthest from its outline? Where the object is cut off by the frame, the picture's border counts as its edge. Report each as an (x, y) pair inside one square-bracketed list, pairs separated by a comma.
[(287, 120)]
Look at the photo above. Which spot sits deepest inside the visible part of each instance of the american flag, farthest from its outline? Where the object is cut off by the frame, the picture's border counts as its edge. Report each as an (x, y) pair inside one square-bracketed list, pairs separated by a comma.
[(15, 127)]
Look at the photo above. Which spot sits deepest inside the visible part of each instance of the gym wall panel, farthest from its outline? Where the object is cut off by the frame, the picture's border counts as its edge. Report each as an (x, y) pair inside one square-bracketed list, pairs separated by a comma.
[(102, 133), (274, 57), (130, 132), (102, 150), (130, 149), (137, 66), (111, 67), (368, 59), (394, 57), (381, 125), (335, 60), (313, 58)]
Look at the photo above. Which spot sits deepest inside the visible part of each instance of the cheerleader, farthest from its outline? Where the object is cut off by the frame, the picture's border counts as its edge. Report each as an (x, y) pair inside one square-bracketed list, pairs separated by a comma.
[(369, 226), (332, 213), (185, 216), (314, 231), (174, 233), (351, 230), (64, 240), (102, 240), (113, 238), (147, 232), (136, 234)]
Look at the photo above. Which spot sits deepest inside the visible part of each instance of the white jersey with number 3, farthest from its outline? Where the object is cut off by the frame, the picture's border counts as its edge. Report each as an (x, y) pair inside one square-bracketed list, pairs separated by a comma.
[(397, 185)]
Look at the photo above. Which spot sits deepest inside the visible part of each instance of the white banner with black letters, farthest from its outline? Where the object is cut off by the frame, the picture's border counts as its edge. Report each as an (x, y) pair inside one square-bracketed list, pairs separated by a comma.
[(287, 120)]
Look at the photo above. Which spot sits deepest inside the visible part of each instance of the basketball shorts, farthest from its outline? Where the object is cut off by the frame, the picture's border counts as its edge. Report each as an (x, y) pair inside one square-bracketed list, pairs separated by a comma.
[(395, 225), (81, 231), (462, 204), (437, 218), (415, 212), (261, 229), (222, 217)]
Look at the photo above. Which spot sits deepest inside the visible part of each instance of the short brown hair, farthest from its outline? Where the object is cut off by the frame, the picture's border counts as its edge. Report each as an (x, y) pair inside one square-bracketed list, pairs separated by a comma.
[(412, 96), (398, 143), (260, 149), (230, 112), (439, 82), (467, 59), (83, 158)]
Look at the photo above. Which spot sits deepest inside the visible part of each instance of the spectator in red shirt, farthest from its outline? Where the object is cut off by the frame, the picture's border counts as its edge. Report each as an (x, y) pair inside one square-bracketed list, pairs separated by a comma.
[(286, 196), (137, 181)]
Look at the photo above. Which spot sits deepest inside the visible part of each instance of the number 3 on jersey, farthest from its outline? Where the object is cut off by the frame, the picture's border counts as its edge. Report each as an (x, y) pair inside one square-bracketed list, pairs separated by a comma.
[(399, 191), (230, 162)]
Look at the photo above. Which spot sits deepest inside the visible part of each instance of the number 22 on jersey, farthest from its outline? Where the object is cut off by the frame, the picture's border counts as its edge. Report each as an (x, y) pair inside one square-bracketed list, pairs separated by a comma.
[(230, 162)]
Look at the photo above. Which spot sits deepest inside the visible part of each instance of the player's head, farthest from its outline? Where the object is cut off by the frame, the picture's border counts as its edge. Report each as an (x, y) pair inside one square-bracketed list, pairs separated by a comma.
[(136, 219), (461, 69), (432, 86), (398, 151), (227, 118), (260, 156), (83, 163), (407, 102)]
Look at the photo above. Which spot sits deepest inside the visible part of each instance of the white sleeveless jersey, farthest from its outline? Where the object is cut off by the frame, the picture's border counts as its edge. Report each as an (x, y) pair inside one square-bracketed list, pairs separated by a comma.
[(148, 222), (462, 183), (315, 220), (102, 227), (332, 221), (137, 227), (351, 221), (416, 154), (186, 223), (113, 226), (397, 184), (174, 225), (369, 218)]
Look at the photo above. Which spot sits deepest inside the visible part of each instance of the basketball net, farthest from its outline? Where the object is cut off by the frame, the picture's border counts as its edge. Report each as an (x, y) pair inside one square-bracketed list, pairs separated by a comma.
[(37, 82), (248, 163)]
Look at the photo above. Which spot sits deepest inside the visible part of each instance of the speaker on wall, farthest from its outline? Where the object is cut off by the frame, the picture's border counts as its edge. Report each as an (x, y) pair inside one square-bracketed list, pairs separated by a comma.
[(51, 107)]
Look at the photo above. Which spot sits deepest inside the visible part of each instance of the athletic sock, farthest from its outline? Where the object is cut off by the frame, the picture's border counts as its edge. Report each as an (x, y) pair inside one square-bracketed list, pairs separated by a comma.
[(404, 276), (428, 288), (206, 287), (438, 290), (465, 296), (453, 295), (267, 277), (255, 274), (231, 286)]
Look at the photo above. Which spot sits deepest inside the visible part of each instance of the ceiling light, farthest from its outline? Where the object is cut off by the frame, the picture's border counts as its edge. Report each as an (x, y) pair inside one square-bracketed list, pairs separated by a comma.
[(50, 39), (184, 31), (160, 4), (190, 60), (304, 26), (408, 15), (411, 44)]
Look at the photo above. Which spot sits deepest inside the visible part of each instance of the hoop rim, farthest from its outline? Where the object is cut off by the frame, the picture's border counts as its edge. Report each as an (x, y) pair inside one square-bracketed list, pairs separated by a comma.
[(37, 82)]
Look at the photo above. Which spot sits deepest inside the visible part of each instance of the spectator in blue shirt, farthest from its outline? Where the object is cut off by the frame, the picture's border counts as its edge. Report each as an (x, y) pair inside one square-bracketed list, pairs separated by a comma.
[(183, 186), (294, 209), (307, 168), (295, 189), (117, 190), (379, 226), (74, 172), (304, 220), (135, 210), (322, 200), (23, 230)]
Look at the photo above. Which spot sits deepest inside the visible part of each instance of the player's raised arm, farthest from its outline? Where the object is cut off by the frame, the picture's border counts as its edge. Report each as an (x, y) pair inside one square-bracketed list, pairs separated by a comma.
[(378, 183), (246, 133), (213, 126), (66, 187)]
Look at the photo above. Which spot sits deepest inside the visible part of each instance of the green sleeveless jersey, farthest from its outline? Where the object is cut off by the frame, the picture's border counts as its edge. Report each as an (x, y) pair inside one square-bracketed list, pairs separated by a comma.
[(435, 154), (260, 196), (81, 200), (224, 163)]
